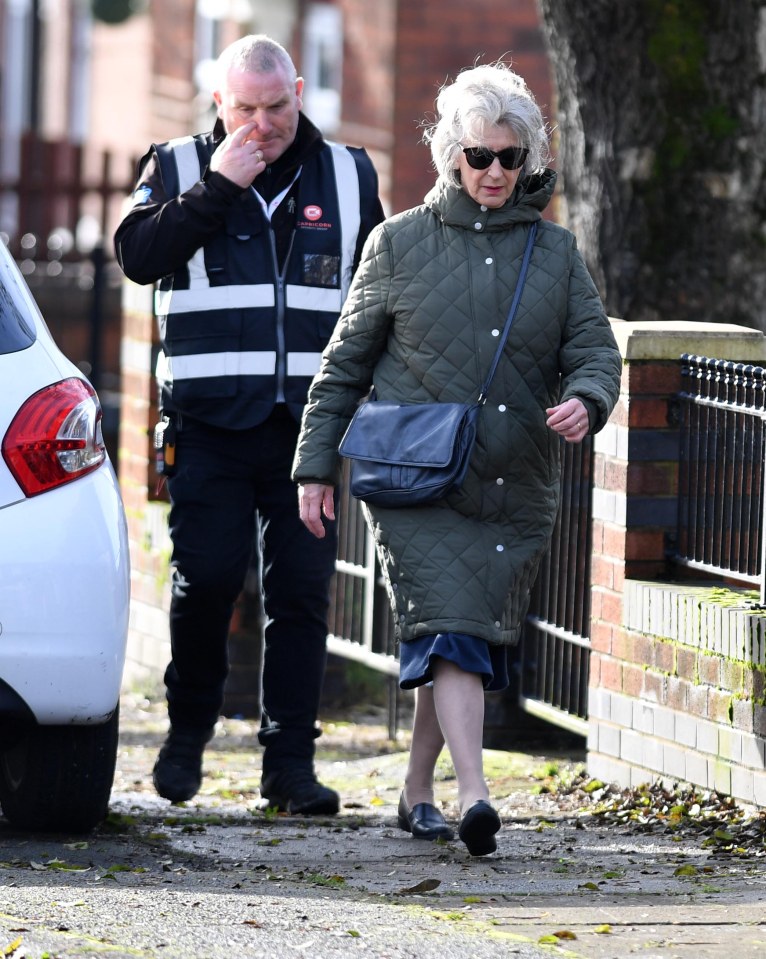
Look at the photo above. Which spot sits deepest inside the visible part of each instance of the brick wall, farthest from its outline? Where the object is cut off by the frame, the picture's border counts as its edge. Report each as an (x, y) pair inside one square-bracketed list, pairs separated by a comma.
[(397, 55), (367, 87), (173, 50), (677, 670), (680, 696), (148, 643)]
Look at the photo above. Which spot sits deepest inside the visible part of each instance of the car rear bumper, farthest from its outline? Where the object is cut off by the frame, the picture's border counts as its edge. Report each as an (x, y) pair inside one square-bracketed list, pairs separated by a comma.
[(64, 600)]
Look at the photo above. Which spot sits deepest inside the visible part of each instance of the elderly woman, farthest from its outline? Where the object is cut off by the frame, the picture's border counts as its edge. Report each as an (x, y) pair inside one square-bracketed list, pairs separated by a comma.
[(420, 325)]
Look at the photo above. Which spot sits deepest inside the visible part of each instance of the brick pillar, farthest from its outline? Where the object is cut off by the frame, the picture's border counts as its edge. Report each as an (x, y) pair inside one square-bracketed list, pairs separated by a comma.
[(650, 681), (148, 642), (635, 482)]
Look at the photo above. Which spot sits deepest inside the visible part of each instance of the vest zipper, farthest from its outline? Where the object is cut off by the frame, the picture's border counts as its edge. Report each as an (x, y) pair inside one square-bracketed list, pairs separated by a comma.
[(281, 310)]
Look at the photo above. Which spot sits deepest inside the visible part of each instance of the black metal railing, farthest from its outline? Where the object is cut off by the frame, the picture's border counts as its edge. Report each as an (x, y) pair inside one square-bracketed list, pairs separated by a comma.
[(554, 653), (360, 619), (721, 468), (359, 616)]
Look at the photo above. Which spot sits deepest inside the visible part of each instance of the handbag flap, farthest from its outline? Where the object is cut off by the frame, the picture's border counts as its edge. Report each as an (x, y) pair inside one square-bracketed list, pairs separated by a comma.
[(410, 435)]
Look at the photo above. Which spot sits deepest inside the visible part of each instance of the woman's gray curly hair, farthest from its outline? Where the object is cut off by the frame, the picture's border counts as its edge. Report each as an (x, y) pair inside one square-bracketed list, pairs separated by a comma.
[(486, 96)]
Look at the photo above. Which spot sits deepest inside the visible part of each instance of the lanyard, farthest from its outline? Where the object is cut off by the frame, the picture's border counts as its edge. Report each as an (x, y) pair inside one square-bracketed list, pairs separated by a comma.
[(269, 208)]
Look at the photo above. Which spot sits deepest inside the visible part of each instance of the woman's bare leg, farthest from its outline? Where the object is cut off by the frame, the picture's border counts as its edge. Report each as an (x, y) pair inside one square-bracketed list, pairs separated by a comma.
[(458, 699), (427, 744)]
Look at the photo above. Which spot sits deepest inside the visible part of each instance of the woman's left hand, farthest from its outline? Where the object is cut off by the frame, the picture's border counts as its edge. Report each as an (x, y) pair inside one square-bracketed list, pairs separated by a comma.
[(570, 420)]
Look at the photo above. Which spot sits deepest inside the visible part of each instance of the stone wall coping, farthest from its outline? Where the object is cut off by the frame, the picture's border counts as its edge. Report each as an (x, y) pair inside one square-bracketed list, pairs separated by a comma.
[(647, 340), (725, 621)]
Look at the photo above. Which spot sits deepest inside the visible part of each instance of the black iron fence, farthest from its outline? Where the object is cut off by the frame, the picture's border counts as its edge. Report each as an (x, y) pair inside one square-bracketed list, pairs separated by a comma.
[(721, 469), (57, 217), (360, 617), (65, 198), (554, 653)]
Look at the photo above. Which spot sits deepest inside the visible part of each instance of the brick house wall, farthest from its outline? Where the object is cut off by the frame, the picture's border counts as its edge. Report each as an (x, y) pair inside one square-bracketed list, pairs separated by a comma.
[(434, 41), (171, 107), (397, 54), (368, 91)]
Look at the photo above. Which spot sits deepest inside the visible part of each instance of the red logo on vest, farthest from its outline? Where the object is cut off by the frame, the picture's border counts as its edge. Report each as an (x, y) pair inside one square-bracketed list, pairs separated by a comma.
[(312, 212)]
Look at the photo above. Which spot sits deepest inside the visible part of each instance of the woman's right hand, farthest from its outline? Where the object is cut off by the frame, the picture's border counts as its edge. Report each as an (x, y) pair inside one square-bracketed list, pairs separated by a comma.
[(314, 500)]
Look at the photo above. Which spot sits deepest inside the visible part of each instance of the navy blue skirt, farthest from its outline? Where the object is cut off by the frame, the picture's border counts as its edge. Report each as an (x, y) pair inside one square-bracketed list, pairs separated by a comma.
[(468, 652)]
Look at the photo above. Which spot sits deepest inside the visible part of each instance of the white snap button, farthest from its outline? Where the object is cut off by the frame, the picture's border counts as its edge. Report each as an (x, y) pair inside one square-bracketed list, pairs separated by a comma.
[(477, 226), (502, 407), (496, 332), (488, 261), (499, 548), (500, 481), (497, 623), (483, 208)]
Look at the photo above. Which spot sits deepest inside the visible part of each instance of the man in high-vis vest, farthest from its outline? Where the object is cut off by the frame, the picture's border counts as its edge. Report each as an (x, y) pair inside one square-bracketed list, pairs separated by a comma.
[(251, 234)]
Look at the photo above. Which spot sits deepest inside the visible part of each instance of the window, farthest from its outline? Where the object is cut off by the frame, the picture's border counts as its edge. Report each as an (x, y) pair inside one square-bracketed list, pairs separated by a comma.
[(322, 65)]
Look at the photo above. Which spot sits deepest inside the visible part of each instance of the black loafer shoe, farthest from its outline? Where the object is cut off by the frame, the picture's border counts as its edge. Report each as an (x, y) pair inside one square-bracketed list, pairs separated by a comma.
[(424, 821), (478, 827), (298, 792)]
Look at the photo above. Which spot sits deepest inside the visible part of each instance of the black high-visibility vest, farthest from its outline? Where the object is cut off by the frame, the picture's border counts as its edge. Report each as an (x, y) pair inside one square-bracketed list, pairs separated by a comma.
[(237, 335)]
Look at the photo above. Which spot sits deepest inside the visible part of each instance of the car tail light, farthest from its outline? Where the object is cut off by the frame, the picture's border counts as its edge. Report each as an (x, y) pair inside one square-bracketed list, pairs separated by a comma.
[(55, 437)]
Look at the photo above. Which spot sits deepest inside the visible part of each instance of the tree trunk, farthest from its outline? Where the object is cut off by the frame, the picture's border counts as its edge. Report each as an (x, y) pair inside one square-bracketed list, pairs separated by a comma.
[(662, 124)]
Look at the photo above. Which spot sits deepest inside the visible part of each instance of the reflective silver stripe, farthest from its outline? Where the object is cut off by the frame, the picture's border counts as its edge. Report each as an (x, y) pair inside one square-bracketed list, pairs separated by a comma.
[(213, 298), (187, 162), (189, 172), (194, 366), (312, 298), (347, 183), (161, 371), (303, 364)]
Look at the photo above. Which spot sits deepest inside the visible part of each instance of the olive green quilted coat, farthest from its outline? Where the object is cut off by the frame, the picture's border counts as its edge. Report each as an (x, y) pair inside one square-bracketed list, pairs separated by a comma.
[(421, 324)]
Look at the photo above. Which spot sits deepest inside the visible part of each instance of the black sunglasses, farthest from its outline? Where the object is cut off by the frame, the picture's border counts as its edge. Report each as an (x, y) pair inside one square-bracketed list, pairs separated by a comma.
[(480, 158)]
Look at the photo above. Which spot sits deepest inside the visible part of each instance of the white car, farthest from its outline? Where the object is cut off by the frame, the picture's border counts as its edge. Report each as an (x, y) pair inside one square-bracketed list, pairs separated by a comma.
[(64, 580)]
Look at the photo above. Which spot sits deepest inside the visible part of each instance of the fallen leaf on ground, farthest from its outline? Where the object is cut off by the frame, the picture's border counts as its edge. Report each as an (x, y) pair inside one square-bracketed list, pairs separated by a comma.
[(427, 885)]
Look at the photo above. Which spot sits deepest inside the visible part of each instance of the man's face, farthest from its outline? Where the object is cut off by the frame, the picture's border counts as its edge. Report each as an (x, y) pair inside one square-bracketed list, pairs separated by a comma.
[(269, 100)]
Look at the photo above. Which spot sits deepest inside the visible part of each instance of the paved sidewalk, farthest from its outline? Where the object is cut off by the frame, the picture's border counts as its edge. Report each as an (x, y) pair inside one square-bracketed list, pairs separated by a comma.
[(219, 876)]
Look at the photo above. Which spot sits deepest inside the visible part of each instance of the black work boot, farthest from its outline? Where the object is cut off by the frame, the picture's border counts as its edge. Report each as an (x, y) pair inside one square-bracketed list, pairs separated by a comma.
[(297, 791), (177, 773)]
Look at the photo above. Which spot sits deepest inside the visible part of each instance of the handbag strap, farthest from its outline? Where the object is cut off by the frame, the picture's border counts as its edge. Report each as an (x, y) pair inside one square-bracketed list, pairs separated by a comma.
[(511, 313)]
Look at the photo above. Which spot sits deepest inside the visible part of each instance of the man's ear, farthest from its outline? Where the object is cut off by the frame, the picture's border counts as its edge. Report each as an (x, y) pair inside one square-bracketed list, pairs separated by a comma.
[(299, 90)]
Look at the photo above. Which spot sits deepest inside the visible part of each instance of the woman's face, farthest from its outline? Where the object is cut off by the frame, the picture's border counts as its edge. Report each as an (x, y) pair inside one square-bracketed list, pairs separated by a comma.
[(493, 186)]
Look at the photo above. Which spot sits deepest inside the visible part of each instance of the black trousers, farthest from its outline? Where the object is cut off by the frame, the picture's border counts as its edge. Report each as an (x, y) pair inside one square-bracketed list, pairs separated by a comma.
[(229, 487)]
